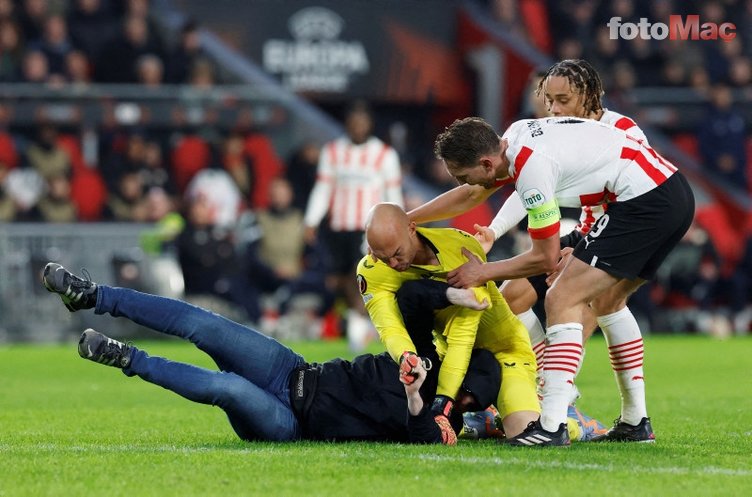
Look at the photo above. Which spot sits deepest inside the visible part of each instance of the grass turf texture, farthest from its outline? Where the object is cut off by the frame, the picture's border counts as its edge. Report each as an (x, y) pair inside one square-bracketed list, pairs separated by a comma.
[(73, 427)]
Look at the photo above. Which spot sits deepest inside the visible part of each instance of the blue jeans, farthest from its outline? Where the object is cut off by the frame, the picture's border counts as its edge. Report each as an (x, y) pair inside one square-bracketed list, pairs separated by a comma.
[(252, 386)]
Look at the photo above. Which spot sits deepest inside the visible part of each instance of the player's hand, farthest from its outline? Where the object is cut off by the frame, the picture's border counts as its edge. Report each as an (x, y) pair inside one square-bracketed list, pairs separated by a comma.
[(441, 409), (566, 255), (485, 236), (448, 436), (409, 368), (469, 274), (309, 235), (465, 297)]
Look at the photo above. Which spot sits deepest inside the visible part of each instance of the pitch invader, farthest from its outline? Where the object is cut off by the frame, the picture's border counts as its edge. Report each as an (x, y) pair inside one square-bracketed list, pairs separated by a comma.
[(573, 162)]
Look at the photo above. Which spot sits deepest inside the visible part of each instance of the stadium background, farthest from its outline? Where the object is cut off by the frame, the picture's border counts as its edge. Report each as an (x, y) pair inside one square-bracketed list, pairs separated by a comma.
[(109, 110)]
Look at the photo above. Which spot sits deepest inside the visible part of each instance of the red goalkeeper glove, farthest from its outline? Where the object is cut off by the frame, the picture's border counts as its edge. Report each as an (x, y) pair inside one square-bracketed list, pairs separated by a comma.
[(408, 362)]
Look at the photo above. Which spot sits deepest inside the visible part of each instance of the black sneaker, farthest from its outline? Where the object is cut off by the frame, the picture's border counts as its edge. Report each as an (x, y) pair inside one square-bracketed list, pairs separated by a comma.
[(77, 293), (102, 349), (535, 435), (623, 432)]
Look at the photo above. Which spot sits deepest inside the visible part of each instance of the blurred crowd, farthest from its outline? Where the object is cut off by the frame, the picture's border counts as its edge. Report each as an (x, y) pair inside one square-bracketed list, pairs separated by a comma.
[(103, 41), (232, 211)]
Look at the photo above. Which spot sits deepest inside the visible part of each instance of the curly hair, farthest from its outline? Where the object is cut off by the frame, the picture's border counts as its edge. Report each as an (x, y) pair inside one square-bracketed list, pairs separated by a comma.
[(465, 141), (583, 77)]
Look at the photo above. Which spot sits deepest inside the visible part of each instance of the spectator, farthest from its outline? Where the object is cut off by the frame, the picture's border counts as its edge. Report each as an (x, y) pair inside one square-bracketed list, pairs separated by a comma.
[(77, 69), (131, 159), (185, 55), (31, 18), (301, 172), (54, 44), (45, 156), (150, 71), (207, 256), (35, 68), (7, 10), (202, 74), (7, 207), (56, 206), (722, 138), (153, 171), (11, 51), (116, 62), (740, 72), (128, 203), (237, 163), (91, 27), (282, 227)]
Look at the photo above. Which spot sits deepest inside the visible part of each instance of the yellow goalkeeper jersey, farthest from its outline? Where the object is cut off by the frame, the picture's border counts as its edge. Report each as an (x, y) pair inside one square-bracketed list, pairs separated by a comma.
[(457, 330)]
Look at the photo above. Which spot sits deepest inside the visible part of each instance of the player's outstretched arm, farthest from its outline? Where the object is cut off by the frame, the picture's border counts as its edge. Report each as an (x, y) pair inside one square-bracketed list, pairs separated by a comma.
[(412, 381), (450, 204)]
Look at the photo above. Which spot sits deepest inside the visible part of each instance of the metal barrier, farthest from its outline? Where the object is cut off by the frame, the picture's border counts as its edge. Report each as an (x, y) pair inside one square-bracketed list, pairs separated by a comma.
[(110, 252)]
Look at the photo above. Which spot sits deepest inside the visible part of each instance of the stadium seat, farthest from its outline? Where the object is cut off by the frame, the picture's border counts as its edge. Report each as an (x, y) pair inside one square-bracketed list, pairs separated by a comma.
[(687, 143), (8, 154), (72, 146), (190, 155), (266, 166), (482, 215), (89, 193)]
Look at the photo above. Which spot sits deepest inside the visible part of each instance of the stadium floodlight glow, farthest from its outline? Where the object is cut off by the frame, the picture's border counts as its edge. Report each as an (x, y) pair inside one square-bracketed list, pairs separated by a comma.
[(676, 29)]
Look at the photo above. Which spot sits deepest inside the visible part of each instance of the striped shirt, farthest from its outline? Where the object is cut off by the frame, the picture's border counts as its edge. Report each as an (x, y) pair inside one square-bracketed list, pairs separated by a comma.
[(350, 180), (571, 162)]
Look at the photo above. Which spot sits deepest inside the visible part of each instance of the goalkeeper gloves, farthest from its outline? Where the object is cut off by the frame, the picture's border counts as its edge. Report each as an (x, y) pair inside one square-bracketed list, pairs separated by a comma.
[(407, 364), (441, 410)]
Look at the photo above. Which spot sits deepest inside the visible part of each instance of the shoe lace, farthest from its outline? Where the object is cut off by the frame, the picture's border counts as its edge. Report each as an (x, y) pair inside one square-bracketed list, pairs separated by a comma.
[(113, 350), (81, 283)]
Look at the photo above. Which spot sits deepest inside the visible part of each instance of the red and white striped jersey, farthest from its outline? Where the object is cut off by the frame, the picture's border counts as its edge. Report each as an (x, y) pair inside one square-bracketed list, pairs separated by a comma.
[(591, 213), (350, 180), (578, 162), (512, 212)]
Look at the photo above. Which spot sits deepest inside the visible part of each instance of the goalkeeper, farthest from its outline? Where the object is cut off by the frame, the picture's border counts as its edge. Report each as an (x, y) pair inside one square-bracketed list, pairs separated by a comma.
[(402, 252), (268, 391)]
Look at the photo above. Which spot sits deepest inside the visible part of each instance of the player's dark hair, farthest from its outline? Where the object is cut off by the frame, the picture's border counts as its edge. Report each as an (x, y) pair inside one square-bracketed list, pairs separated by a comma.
[(465, 141), (583, 77)]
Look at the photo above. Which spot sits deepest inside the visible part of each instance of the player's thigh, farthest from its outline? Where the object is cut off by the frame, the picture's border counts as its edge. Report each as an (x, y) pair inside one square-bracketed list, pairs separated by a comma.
[(519, 294), (578, 284)]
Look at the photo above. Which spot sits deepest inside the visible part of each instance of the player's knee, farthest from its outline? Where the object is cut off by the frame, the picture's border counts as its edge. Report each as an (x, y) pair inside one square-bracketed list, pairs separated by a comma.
[(604, 306), (520, 295)]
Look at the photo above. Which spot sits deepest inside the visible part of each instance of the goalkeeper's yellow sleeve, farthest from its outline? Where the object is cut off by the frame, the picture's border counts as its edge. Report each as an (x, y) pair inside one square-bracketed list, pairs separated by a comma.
[(386, 317), (459, 326)]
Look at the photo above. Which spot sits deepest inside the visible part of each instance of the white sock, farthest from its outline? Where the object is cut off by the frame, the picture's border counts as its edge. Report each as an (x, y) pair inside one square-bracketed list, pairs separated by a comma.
[(626, 352), (563, 353), (537, 335)]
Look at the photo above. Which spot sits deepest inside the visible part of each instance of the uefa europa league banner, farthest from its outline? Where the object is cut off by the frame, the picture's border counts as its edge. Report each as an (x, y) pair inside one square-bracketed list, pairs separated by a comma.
[(393, 50)]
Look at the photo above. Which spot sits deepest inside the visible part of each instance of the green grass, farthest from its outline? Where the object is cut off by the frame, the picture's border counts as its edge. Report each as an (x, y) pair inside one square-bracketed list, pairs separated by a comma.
[(70, 427)]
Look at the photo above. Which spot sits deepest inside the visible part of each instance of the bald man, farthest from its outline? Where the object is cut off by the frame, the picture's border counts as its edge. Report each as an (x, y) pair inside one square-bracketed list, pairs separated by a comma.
[(402, 252)]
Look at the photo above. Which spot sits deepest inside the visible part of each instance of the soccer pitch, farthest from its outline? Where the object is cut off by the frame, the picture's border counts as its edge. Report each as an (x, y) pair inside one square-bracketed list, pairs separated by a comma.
[(72, 427)]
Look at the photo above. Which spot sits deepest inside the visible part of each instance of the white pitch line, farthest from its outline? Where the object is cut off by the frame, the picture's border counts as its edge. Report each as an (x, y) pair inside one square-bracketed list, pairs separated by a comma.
[(494, 461), (498, 461)]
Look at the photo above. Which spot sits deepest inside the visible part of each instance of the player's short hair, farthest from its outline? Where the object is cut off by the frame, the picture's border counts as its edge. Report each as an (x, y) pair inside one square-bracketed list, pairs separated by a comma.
[(583, 77), (465, 141)]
